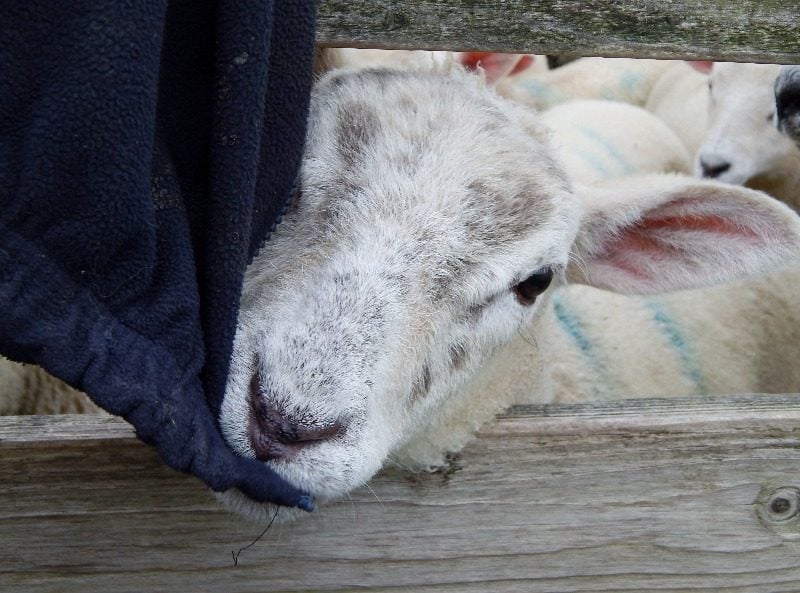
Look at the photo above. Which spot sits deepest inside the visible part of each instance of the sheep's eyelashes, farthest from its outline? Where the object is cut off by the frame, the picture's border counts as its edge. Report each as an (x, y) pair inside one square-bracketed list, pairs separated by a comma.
[(534, 285)]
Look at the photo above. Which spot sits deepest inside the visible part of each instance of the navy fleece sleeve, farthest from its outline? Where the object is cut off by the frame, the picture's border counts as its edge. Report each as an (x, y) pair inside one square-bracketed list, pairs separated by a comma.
[(146, 148)]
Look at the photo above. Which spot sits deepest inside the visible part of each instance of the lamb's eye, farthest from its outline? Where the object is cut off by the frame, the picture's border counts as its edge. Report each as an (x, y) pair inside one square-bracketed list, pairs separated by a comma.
[(533, 286)]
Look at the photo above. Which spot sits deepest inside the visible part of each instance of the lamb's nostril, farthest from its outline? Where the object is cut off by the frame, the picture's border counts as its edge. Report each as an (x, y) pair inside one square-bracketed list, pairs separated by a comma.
[(273, 435), (714, 169)]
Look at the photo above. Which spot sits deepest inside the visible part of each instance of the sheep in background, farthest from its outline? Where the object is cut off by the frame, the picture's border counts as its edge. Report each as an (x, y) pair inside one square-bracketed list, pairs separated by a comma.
[(28, 389), (527, 79), (674, 91), (614, 79), (404, 299), (600, 140), (680, 99), (742, 145), (787, 99)]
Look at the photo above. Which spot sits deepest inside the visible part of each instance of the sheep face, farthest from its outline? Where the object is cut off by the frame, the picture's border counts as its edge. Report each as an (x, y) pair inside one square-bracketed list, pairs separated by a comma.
[(742, 142), (415, 247)]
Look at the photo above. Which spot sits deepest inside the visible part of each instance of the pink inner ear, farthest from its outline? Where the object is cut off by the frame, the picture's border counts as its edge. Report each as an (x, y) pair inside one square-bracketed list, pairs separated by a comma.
[(495, 65), (472, 59), (523, 64), (710, 223), (703, 66), (648, 239)]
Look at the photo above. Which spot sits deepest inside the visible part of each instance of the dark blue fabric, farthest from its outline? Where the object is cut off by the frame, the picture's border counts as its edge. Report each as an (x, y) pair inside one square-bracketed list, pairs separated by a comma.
[(146, 149)]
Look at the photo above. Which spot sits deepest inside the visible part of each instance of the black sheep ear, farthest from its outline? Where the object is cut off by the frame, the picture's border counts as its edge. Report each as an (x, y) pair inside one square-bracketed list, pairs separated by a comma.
[(658, 233), (787, 102)]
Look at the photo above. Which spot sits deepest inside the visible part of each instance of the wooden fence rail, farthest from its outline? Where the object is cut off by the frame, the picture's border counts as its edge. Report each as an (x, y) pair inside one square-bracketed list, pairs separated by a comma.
[(651, 495), (734, 30)]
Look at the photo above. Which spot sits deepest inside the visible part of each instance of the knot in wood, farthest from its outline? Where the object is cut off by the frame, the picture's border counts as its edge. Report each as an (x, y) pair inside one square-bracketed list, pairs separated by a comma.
[(396, 20), (782, 504)]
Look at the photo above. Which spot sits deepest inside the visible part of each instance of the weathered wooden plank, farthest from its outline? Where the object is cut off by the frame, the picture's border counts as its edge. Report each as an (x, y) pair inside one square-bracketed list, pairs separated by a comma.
[(732, 30), (671, 495)]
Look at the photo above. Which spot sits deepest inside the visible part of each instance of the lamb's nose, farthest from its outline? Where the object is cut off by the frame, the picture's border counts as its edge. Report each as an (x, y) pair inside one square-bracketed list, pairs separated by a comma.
[(714, 168), (275, 436)]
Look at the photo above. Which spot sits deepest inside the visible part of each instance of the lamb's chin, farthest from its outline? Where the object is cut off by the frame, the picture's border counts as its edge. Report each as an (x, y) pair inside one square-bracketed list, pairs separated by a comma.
[(259, 512), (239, 503)]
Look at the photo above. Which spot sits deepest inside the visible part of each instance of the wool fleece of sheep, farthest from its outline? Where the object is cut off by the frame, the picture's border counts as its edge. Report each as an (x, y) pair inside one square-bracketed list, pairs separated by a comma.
[(431, 219)]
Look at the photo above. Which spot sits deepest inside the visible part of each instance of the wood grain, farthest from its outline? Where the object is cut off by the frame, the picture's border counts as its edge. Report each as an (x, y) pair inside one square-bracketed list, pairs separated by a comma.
[(651, 495), (732, 30)]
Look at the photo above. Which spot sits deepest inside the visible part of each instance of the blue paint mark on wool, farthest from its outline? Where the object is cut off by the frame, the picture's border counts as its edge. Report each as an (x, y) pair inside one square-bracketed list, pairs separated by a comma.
[(573, 327), (544, 92), (622, 165), (680, 345), (629, 82), (595, 163)]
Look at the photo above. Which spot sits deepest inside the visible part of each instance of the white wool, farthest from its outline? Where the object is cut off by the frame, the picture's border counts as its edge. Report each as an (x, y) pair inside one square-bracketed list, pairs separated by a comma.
[(680, 99), (28, 389), (600, 140)]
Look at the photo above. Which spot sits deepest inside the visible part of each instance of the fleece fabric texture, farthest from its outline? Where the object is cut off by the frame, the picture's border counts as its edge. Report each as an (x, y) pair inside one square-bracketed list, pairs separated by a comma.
[(146, 150)]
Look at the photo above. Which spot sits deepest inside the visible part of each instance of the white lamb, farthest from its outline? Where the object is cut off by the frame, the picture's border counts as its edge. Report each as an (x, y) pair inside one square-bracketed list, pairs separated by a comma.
[(404, 299), (598, 140), (615, 79), (742, 144), (680, 99)]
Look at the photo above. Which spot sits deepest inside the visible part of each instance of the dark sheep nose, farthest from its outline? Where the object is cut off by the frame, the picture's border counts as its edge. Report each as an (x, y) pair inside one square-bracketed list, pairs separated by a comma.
[(713, 170), (275, 436)]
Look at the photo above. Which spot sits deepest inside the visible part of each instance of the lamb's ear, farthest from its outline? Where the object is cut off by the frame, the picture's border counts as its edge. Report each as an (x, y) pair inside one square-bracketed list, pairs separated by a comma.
[(652, 234), (703, 66), (495, 66)]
